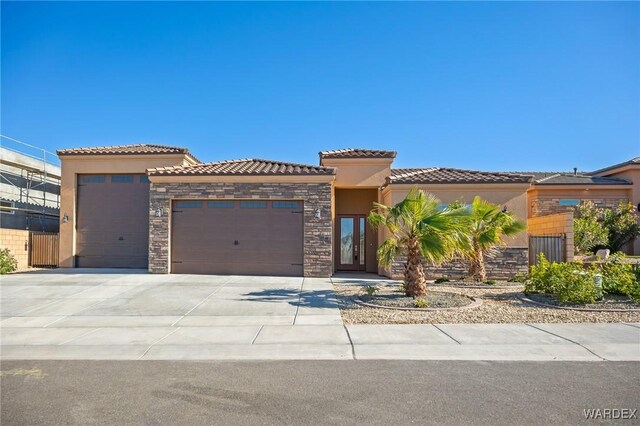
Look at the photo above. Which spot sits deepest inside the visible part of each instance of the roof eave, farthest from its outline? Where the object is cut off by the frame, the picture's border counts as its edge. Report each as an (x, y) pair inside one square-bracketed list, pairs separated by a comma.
[(151, 173), (60, 153), (458, 183), (629, 163), (585, 184)]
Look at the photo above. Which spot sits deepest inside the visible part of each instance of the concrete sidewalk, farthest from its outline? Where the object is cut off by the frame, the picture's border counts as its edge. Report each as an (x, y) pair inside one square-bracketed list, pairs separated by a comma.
[(521, 342)]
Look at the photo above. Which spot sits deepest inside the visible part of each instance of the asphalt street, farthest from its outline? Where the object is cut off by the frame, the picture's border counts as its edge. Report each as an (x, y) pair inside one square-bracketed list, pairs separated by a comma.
[(314, 392)]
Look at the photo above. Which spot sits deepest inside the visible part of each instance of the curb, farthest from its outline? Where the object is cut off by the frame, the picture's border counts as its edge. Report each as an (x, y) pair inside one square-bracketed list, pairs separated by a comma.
[(486, 286), (475, 302)]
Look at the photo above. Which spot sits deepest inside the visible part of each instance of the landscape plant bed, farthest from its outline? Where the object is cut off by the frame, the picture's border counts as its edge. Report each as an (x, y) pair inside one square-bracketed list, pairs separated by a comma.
[(434, 301), (499, 305), (611, 303)]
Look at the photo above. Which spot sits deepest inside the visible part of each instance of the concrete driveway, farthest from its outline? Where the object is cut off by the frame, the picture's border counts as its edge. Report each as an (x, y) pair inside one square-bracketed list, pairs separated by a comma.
[(99, 314)]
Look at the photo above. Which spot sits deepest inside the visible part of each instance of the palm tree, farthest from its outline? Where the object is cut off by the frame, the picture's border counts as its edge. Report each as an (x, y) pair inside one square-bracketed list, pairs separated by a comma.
[(488, 225), (419, 229)]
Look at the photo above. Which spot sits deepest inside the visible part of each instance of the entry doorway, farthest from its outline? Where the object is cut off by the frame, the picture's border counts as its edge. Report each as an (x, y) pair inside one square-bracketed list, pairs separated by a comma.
[(351, 241)]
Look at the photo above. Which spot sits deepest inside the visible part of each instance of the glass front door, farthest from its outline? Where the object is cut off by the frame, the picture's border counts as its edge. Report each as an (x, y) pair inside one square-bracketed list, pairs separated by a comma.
[(351, 242)]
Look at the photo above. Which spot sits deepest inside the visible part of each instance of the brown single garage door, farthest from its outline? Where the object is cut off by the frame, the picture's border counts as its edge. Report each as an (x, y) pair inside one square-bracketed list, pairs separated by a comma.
[(112, 221), (251, 237)]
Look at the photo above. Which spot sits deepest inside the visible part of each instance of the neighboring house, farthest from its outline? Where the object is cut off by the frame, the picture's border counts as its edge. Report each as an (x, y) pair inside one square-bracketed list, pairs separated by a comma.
[(29, 192), (159, 207), (629, 171), (29, 201)]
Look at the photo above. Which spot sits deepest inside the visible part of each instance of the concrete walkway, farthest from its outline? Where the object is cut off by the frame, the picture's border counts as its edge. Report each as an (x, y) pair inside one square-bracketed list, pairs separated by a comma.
[(109, 316)]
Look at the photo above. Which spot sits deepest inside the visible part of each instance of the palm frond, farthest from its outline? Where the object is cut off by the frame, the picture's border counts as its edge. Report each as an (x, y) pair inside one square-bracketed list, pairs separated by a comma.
[(388, 251), (440, 234), (490, 224)]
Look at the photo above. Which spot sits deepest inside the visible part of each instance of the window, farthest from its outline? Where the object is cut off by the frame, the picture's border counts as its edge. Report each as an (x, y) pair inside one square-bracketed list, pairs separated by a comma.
[(92, 179), (253, 204), (7, 206), (121, 179), (188, 204), (220, 204), (144, 179), (569, 202), (285, 204)]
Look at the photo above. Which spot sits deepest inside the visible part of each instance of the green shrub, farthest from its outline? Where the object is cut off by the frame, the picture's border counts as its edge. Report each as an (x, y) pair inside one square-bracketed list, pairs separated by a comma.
[(371, 290), (604, 227), (421, 303), (402, 288), (8, 263), (619, 277), (634, 291), (578, 287), (441, 280), (490, 282), (621, 223), (569, 282), (588, 231)]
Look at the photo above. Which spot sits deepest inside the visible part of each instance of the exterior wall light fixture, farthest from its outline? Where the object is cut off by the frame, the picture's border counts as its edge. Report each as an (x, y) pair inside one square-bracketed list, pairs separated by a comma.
[(159, 212), (65, 218), (318, 214)]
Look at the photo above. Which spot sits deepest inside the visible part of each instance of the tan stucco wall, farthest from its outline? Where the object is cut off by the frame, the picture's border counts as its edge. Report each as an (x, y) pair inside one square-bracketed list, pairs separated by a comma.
[(74, 165), (355, 201), (514, 197), (360, 172), (554, 224), (17, 241)]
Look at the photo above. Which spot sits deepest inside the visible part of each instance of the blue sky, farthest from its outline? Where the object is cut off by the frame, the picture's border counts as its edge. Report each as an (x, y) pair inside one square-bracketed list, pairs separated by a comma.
[(490, 86)]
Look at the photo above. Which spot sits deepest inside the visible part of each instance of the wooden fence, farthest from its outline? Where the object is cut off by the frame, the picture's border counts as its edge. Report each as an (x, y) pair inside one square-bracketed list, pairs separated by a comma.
[(43, 250)]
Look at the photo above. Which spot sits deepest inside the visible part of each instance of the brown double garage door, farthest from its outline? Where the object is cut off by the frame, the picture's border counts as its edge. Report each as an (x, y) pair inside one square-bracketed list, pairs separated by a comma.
[(237, 237)]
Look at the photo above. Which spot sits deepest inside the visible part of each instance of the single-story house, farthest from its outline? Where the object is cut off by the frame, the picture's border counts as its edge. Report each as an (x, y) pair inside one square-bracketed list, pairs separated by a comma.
[(159, 207)]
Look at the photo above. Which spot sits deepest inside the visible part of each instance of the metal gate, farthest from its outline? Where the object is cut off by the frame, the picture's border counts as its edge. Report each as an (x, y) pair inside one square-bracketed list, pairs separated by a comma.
[(553, 247), (43, 249)]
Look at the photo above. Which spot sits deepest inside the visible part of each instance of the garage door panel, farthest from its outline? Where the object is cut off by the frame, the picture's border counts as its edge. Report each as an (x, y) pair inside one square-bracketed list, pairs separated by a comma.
[(236, 268), (231, 253), (112, 222), (114, 262), (269, 240)]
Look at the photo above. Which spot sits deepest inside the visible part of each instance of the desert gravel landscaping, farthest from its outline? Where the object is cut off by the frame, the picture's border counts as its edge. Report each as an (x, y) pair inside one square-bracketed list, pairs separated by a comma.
[(500, 305)]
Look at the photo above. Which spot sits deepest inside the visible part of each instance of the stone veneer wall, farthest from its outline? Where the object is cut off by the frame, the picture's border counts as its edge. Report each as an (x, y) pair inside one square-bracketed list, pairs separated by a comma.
[(317, 232), (508, 262), (546, 206)]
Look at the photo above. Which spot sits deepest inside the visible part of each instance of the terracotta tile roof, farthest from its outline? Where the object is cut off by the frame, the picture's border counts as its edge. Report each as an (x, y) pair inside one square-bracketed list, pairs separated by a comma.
[(357, 153), (139, 149), (243, 167), (438, 175), (580, 179)]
